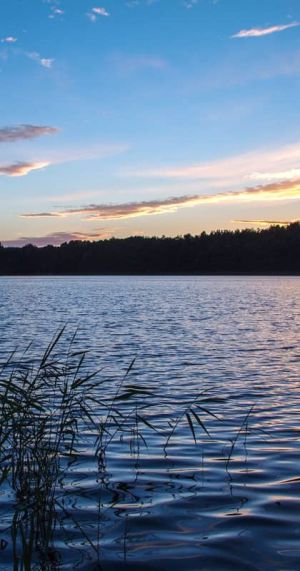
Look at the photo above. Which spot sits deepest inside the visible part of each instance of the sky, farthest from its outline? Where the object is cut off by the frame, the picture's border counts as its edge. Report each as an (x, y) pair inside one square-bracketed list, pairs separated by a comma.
[(147, 117)]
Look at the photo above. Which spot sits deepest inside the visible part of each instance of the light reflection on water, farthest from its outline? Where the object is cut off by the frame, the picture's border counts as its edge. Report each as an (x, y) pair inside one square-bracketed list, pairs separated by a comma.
[(236, 338)]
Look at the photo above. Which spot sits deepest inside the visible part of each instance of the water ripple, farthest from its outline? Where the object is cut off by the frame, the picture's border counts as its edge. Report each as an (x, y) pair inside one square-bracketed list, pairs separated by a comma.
[(227, 502)]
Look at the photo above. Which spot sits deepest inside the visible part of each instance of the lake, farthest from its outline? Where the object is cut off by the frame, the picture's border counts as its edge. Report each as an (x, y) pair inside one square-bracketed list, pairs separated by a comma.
[(232, 498)]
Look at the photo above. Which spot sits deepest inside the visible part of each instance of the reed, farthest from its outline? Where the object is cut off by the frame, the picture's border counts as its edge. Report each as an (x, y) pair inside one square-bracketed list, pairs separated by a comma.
[(44, 406), (41, 407)]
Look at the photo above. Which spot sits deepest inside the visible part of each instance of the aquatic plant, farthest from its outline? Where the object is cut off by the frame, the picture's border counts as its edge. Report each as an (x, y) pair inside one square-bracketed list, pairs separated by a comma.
[(44, 406), (41, 407)]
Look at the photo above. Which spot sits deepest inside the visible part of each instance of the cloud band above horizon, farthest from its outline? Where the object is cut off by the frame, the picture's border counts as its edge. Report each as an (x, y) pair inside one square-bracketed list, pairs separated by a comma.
[(286, 190), (56, 238)]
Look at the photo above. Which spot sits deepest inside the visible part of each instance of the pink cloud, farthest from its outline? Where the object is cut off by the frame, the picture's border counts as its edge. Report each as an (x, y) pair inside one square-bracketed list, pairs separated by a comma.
[(56, 238), (21, 168)]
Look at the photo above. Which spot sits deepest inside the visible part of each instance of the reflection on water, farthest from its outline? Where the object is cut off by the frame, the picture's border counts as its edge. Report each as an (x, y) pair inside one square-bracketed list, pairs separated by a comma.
[(184, 506)]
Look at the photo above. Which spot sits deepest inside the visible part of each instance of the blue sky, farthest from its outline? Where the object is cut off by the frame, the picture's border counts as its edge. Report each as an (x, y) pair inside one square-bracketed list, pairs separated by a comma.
[(147, 117)]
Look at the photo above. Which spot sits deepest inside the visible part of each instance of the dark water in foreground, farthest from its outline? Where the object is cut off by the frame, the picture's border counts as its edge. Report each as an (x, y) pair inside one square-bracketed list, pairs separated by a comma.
[(237, 339)]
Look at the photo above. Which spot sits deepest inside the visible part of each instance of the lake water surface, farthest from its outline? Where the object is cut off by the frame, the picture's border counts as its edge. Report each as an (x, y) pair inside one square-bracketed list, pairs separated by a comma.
[(233, 339)]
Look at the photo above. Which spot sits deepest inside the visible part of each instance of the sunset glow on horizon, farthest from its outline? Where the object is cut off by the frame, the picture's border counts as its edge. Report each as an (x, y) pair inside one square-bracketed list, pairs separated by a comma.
[(147, 118)]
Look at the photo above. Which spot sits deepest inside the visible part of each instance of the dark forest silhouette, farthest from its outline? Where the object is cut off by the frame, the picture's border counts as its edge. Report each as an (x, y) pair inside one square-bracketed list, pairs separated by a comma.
[(269, 251)]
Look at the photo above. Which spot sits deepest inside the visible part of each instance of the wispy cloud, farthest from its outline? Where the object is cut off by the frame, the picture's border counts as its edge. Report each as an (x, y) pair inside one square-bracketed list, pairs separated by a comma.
[(9, 40), (286, 190), (233, 71), (89, 152), (94, 13), (21, 168), (24, 132), (136, 3), (56, 238), (132, 3), (55, 12), (43, 215), (44, 62), (269, 176), (127, 63), (257, 165), (265, 223), (190, 4), (258, 32)]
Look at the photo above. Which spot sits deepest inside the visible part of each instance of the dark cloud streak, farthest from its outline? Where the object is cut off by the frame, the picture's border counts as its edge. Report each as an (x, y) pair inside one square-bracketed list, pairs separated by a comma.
[(54, 239), (24, 132)]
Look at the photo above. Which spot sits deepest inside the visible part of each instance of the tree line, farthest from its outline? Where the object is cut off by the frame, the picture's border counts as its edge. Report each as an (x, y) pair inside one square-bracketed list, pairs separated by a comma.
[(275, 250)]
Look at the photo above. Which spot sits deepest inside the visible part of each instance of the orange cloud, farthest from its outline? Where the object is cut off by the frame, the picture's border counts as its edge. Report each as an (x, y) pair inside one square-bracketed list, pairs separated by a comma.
[(265, 223), (286, 190)]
